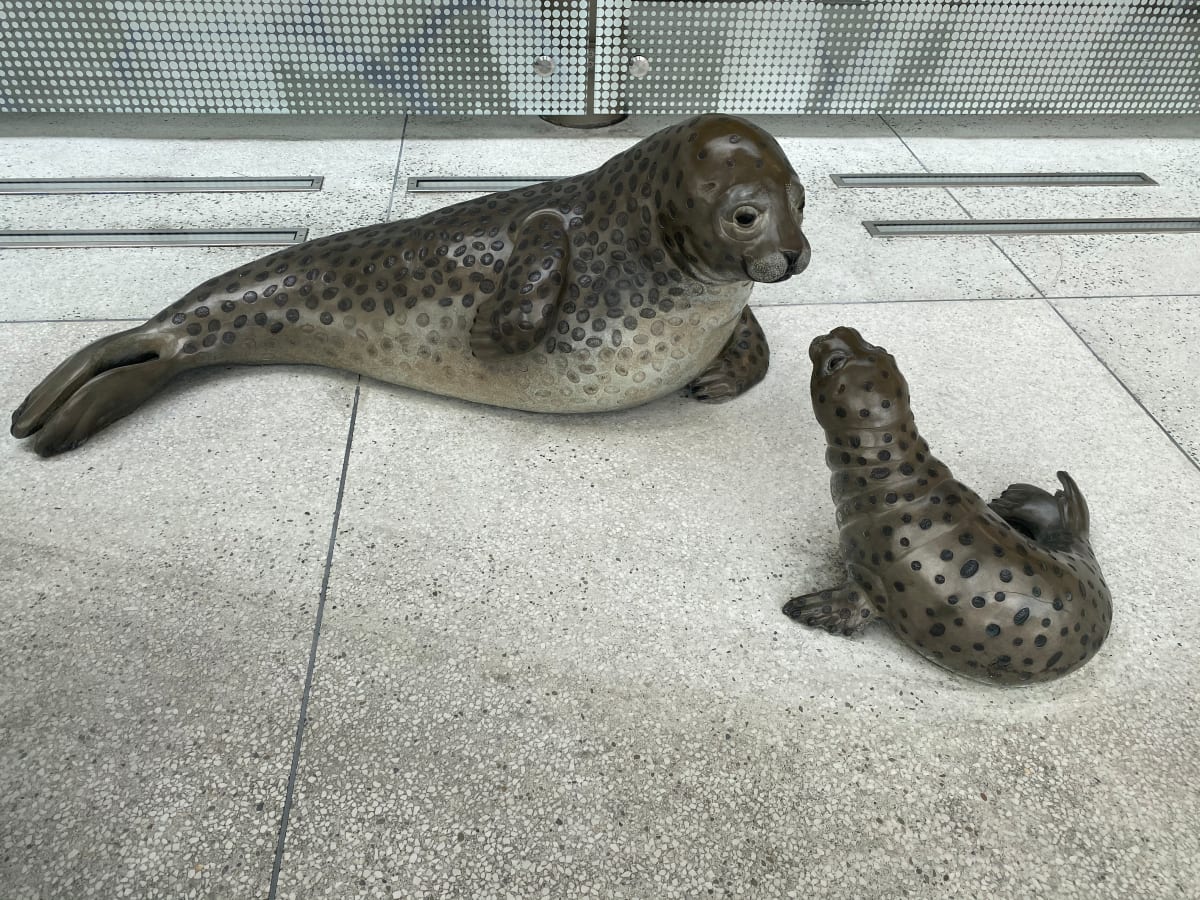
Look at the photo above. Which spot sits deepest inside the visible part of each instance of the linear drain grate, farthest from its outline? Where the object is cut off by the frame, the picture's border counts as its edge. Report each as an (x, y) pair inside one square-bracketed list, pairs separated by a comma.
[(155, 185), (935, 227), (993, 179), (424, 184), (162, 237)]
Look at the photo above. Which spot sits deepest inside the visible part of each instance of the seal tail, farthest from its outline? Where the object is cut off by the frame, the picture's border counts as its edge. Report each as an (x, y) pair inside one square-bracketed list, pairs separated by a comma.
[(93, 388), (1059, 521)]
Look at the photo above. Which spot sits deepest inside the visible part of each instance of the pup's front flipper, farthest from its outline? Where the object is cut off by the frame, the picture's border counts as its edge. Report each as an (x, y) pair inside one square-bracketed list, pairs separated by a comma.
[(738, 367), (518, 316), (842, 609)]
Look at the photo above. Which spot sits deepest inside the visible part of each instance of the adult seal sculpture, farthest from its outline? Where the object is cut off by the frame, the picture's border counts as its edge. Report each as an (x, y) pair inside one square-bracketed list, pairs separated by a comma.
[(1005, 592), (596, 292)]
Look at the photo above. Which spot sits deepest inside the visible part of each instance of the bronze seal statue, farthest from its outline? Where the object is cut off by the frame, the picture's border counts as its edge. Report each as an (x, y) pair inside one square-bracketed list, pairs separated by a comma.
[(596, 292), (1006, 592)]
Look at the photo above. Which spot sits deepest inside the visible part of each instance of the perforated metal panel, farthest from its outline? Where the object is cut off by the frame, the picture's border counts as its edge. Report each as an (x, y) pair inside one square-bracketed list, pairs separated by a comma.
[(899, 56), (361, 56), (478, 56)]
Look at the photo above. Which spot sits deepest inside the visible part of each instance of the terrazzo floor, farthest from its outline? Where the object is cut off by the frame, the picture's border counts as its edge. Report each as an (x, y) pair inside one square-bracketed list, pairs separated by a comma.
[(289, 633)]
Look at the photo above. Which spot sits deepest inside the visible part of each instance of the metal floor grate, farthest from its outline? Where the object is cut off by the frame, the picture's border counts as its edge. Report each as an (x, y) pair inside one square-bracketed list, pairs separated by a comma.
[(429, 184), (993, 179), (939, 227), (156, 185), (158, 237)]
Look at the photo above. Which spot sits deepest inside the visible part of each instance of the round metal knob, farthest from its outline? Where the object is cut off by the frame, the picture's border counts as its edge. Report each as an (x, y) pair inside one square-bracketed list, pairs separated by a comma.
[(639, 67), (543, 66)]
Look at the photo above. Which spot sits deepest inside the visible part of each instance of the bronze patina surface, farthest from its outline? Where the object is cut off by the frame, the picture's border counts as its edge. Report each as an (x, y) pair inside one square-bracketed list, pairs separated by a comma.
[(595, 292), (1007, 591)]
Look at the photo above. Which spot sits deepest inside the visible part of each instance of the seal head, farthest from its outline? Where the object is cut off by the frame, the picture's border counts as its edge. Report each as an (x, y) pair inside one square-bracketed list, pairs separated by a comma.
[(734, 207), (855, 384)]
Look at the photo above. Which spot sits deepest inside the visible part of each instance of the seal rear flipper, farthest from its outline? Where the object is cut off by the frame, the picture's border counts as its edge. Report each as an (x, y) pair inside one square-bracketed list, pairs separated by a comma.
[(122, 349), (1072, 507), (100, 402), (1055, 521), (518, 317), (738, 367), (1027, 508), (843, 610)]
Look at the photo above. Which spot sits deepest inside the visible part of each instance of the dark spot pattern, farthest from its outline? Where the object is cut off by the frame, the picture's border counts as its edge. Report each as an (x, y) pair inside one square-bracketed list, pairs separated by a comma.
[(641, 246), (976, 572)]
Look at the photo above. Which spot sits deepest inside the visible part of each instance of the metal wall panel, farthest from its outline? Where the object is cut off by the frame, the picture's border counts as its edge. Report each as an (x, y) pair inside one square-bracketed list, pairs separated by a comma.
[(355, 56), (477, 56), (899, 56)]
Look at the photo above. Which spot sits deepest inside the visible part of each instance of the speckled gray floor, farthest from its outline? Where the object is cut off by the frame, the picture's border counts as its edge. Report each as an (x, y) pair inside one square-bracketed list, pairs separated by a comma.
[(283, 633)]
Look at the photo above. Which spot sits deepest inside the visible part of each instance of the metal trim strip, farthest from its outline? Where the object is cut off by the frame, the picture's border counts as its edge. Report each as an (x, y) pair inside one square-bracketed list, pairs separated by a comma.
[(157, 185), (155, 237), (434, 184), (957, 227), (992, 179)]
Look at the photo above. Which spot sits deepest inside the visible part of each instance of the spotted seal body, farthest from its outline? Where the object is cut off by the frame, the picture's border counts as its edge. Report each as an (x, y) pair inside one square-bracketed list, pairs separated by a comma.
[(1006, 592), (595, 292)]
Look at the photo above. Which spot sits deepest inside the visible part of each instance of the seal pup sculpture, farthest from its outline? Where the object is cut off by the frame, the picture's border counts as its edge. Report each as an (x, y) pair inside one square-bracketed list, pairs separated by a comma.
[(596, 292), (1005, 592)]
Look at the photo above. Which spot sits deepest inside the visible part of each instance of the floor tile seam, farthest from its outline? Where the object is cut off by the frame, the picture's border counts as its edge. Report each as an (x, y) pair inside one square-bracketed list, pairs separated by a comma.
[(957, 202), (991, 240), (396, 173), (1012, 262), (904, 144), (1172, 294), (312, 653), (1182, 295), (1010, 298), (1128, 390)]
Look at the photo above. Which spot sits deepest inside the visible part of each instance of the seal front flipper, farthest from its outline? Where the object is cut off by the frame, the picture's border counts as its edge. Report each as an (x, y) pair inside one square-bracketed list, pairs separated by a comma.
[(518, 317), (1056, 521), (740, 366), (842, 609)]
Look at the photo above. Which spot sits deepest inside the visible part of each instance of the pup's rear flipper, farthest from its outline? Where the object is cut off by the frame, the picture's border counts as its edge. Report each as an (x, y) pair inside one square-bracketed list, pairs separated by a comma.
[(98, 385), (1055, 522)]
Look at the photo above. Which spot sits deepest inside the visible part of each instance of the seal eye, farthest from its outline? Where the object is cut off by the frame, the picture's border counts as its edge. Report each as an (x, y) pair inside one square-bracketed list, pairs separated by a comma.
[(835, 362), (745, 216)]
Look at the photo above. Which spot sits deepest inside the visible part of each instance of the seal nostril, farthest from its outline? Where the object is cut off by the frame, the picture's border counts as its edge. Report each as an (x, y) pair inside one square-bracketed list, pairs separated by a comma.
[(797, 260)]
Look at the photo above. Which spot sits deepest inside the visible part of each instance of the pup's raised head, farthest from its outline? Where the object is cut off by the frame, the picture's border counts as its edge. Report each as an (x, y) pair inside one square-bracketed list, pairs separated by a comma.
[(855, 385)]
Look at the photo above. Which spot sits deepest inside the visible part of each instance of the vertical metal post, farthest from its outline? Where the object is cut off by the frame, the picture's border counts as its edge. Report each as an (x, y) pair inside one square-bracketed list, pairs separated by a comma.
[(589, 97), (590, 119)]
